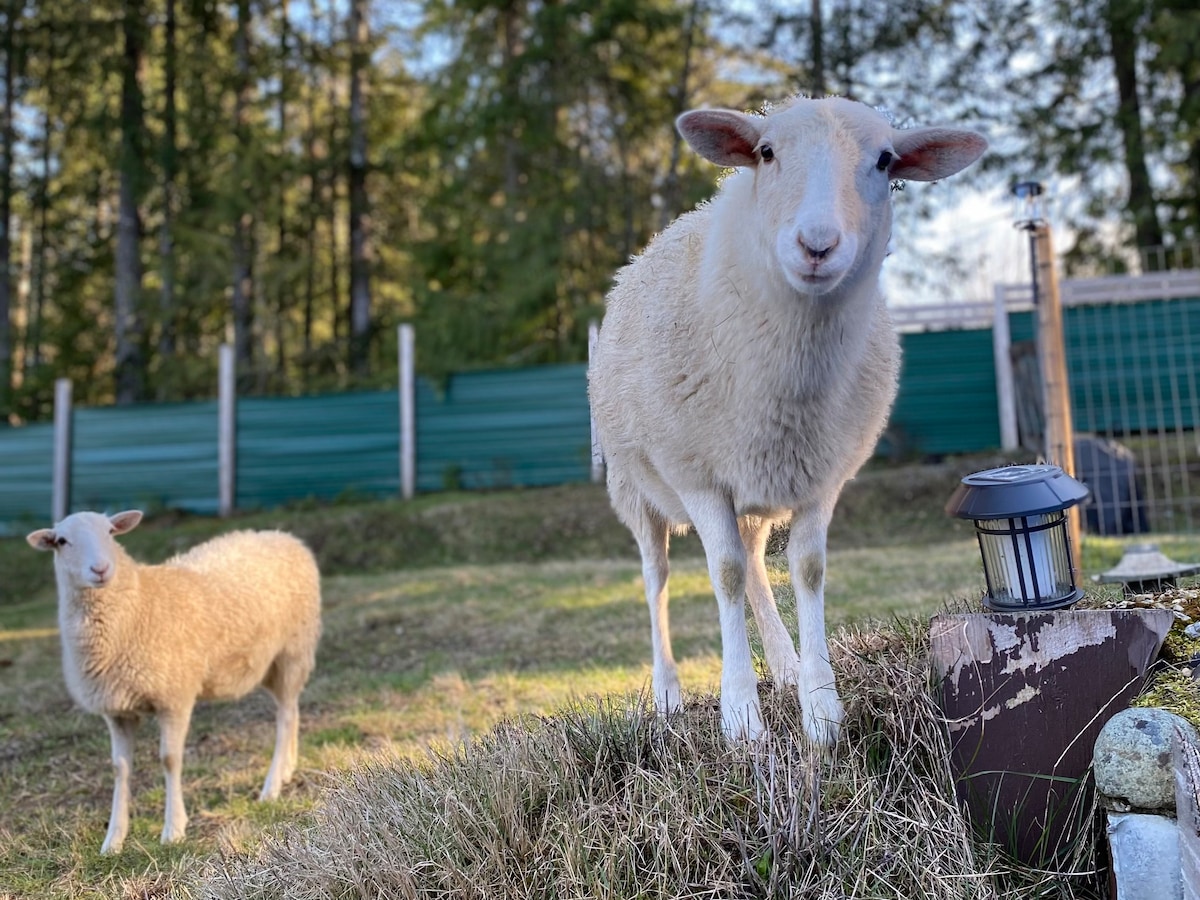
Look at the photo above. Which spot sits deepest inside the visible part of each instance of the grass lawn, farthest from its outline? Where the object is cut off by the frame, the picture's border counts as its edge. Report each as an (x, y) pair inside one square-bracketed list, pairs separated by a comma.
[(442, 618)]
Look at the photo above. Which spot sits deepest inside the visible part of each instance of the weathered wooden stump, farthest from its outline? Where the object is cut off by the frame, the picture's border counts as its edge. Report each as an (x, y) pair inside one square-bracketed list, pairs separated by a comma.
[(1025, 695)]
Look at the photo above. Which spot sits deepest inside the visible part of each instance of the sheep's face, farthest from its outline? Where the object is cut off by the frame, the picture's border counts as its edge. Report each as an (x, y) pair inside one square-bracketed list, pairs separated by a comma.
[(822, 176), (84, 547)]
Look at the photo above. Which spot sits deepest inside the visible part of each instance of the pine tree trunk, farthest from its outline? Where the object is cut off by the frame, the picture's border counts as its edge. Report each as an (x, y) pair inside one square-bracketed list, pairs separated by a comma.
[(130, 363), (360, 252), (335, 273), (314, 195), (281, 287), (1122, 16), (170, 164), (243, 259), (6, 167)]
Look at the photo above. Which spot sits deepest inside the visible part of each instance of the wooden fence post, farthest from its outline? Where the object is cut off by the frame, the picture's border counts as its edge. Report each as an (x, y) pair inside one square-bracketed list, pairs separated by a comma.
[(60, 496), (226, 431), (1056, 393), (406, 342), (1005, 386), (597, 451)]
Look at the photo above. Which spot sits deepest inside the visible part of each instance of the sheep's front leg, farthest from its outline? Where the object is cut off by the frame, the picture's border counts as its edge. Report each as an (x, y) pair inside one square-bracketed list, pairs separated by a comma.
[(121, 730), (715, 522), (653, 539), (173, 725), (806, 562)]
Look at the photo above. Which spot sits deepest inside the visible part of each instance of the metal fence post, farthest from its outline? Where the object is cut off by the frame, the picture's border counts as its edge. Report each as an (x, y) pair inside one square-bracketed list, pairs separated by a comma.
[(226, 431), (60, 497), (408, 420)]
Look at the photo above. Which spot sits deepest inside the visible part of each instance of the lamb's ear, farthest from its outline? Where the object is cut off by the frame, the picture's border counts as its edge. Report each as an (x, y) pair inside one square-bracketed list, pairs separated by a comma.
[(42, 539), (722, 136), (123, 522), (927, 154)]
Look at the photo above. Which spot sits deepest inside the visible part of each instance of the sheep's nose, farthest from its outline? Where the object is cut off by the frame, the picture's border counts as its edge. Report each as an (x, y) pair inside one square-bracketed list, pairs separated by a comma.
[(100, 569), (818, 246)]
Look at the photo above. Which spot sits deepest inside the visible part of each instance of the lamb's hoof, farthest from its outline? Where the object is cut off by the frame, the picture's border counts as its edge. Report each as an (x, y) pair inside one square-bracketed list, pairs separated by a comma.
[(823, 716), (173, 834), (111, 847)]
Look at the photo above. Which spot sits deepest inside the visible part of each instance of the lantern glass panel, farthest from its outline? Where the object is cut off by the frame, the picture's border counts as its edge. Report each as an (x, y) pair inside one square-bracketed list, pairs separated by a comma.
[(1026, 562)]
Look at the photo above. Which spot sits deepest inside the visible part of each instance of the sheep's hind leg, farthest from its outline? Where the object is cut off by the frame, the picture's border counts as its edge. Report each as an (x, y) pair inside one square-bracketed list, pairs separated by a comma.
[(819, 700), (653, 539), (121, 730), (173, 727), (287, 738), (717, 525), (778, 645)]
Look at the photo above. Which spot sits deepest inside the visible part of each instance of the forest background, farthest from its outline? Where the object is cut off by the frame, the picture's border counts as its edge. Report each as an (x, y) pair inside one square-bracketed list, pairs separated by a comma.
[(296, 177)]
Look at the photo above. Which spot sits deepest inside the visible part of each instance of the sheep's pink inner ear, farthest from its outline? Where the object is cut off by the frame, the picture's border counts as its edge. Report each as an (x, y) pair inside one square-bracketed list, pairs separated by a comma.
[(125, 521), (42, 539), (927, 154), (722, 136)]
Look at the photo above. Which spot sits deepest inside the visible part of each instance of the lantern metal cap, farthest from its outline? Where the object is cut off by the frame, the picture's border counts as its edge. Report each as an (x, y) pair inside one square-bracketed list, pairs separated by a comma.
[(1015, 491), (1144, 562)]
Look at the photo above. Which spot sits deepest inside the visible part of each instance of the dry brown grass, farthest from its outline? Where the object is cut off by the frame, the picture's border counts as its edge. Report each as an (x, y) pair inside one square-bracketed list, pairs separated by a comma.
[(609, 801)]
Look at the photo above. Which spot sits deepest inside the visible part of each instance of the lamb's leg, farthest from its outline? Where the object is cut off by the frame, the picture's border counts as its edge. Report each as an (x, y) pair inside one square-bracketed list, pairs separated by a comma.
[(173, 726), (287, 740), (653, 538), (778, 646), (717, 525), (121, 730), (806, 562)]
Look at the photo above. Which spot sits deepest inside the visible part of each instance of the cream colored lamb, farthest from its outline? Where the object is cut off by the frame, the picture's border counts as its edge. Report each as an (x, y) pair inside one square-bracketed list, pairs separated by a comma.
[(746, 367), (239, 611)]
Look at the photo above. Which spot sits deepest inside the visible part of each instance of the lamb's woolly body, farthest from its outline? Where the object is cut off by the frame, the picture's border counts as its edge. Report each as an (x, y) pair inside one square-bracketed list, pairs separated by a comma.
[(746, 366), (237, 612), (201, 626)]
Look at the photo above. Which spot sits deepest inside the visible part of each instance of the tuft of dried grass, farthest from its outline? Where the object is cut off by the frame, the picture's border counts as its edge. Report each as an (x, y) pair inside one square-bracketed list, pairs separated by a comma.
[(608, 800)]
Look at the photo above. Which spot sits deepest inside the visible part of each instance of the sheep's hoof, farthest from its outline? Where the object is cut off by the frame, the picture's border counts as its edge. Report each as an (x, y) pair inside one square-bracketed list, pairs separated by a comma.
[(742, 723), (823, 715), (111, 847), (173, 835)]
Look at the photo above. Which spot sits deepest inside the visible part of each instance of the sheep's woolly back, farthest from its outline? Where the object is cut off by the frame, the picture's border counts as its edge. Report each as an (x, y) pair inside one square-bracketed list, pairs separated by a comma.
[(207, 624)]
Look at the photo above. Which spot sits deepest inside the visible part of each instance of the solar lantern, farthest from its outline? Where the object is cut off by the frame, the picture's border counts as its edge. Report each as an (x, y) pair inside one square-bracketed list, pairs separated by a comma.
[(1020, 516), (1027, 205)]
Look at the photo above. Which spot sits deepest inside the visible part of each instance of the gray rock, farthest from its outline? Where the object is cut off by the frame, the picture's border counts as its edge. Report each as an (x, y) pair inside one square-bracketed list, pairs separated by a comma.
[(1132, 759)]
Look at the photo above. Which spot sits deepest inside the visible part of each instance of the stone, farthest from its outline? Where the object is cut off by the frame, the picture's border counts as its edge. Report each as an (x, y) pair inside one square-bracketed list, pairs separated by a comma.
[(1132, 759)]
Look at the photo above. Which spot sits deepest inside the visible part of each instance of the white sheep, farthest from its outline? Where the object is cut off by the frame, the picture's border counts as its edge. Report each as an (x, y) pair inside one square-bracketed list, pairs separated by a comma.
[(746, 367), (236, 612)]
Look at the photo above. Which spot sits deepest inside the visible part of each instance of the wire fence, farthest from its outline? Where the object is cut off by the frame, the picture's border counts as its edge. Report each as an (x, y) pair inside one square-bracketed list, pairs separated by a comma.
[(1135, 391)]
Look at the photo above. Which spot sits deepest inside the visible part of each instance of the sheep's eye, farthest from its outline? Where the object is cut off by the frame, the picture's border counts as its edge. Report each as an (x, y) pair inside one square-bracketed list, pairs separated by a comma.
[(885, 160), (60, 542), (765, 153)]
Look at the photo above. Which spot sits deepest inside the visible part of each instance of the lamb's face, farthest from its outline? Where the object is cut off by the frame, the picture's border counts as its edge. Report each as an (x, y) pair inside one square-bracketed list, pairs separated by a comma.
[(84, 545), (822, 172)]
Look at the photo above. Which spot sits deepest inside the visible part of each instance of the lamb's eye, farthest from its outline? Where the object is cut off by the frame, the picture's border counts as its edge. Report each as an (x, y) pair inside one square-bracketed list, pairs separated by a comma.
[(885, 160), (766, 153), (61, 542)]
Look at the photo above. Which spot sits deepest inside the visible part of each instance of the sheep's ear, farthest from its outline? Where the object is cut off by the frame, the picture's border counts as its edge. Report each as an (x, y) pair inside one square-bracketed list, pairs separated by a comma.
[(722, 136), (125, 521), (42, 539), (927, 154)]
